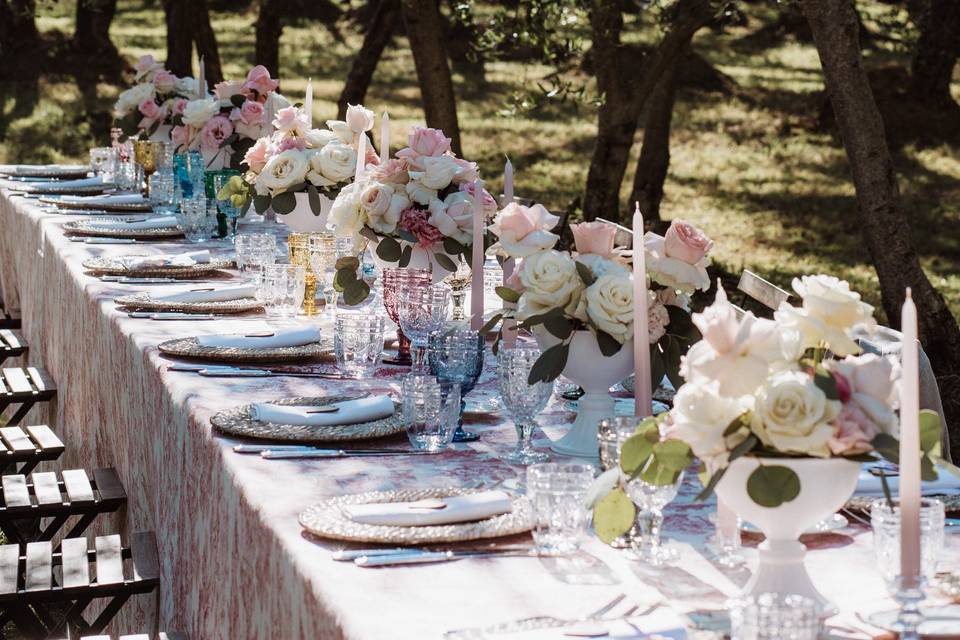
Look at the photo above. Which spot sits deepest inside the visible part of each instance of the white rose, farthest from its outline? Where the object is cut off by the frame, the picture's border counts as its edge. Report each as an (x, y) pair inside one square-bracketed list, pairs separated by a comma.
[(699, 417), (197, 112), (420, 194), (337, 161), (383, 206), (792, 414), (342, 130), (187, 87), (130, 99), (601, 266), (550, 280), (672, 272), (830, 311), (522, 231), (283, 171), (873, 387), (359, 118), (314, 175), (610, 305), (319, 138), (346, 217), (437, 172), (457, 207)]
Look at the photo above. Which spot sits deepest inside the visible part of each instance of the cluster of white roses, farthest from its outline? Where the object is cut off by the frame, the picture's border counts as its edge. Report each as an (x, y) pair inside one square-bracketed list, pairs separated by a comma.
[(296, 154), (157, 96), (751, 368)]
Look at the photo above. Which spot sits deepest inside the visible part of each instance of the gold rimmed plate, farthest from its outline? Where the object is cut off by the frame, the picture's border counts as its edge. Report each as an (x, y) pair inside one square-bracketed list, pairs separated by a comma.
[(103, 204), (190, 348), (144, 302), (117, 266), (239, 422), (327, 520), (91, 228)]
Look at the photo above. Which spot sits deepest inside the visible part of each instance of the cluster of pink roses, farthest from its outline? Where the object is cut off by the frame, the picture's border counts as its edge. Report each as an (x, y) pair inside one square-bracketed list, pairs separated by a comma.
[(157, 97)]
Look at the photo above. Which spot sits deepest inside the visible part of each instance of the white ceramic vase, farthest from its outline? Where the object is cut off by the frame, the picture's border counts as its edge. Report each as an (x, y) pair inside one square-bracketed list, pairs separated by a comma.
[(825, 486), (595, 373), (302, 219), (216, 160), (419, 259), (162, 134)]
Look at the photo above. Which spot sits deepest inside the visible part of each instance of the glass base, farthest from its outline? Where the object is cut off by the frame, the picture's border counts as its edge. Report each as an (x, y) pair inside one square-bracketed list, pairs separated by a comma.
[(659, 556), (526, 457), (465, 436), (398, 361), (941, 621)]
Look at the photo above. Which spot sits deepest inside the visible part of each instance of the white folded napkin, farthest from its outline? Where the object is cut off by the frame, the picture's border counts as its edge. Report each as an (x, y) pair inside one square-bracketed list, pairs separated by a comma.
[(160, 222), (124, 198), (209, 295), (870, 485), (168, 260), (264, 340), (466, 508), (351, 412)]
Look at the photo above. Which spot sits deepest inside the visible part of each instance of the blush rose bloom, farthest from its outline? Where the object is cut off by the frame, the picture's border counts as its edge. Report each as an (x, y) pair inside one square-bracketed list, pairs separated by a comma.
[(872, 380), (180, 136), (282, 171), (164, 82), (256, 156), (197, 112), (259, 80), (251, 112), (453, 216), (421, 142), (523, 231), (594, 237), (132, 98), (359, 118), (487, 201), (393, 171), (383, 205), (673, 272), (152, 112), (700, 416), (550, 280), (686, 242), (657, 318), (145, 66), (290, 120), (609, 305), (217, 129), (854, 432), (179, 104), (227, 89), (830, 310), (793, 415)]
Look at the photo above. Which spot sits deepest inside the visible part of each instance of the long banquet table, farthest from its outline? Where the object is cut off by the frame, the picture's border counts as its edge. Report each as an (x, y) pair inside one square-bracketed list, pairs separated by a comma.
[(235, 562)]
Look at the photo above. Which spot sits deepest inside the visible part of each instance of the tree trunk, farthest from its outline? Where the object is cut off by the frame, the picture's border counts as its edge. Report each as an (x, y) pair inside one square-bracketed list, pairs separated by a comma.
[(206, 42), (884, 223), (18, 29), (179, 37), (424, 26), (655, 152), (378, 35), (626, 93), (937, 50), (92, 31), (268, 30)]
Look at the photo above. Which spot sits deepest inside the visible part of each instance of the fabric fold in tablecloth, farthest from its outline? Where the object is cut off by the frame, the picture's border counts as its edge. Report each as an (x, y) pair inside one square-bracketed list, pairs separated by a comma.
[(161, 222), (465, 508), (215, 295), (350, 412), (263, 339)]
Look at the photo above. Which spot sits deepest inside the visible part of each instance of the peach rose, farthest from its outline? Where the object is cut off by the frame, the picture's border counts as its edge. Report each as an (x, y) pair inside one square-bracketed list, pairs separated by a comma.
[(259, 80), (686, 242), (251, 112), (424, 141), (594, 237), (152, 113), (256, 156), (164, 81), (179, 104), (290, 120), (227, 89), (523, 231)]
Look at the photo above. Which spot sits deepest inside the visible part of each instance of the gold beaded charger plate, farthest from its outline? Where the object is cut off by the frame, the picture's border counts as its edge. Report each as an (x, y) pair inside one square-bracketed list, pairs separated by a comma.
[(96, 203), (144, 302), (90, 228), (45, 171), (56, 187), (189, 348), (239, 422), (327, 520), (117, 266)]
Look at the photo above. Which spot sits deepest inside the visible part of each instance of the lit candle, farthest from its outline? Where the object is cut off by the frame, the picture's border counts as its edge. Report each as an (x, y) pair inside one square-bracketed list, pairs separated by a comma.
[(202, 81), (476, 290), (642, 403), (509, 326), (385, 137), (909, 444), (361, 156), (308, 103)]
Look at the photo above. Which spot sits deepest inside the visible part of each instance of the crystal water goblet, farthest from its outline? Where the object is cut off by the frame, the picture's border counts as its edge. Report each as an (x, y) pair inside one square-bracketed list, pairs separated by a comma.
[(522, 400), (193, 219), (457, 356), (429, 411), (255, 250), (358, 342), (422, 311), (225, 206), (100, 158), (281, 289), (652, 498), (610, 434), (322, 249), (774, 616), (396, 280), (557, 493)]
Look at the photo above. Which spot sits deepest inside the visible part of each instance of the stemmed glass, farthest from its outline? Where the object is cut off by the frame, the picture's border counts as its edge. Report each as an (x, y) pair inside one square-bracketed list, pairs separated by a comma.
[(423, 310), (395, 281), (459, 282), (457, 356), (225, 207), (611, 433), (322, 249), (148, 154), (522, 400), (652, 498)]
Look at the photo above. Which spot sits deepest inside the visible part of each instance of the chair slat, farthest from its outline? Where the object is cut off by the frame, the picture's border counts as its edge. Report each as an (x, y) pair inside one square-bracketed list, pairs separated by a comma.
[(41, 379), (77, 484), (9, 567), (143, 550), (141, 636), (76, 565), (39, 574), (15, 492), (108, 484), (109, 560), (3, 387), (46, 488), (45, 437), (17, 381), (11, 339), (17, 439)]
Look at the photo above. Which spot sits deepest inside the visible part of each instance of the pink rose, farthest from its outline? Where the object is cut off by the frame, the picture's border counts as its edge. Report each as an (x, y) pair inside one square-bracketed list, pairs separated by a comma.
[(657, 318), (259, 80), (514, 281), (227, 89), (290, 120), (414, 221), (146, 65), (523, 231), (392, 171), (251, 112), (489, 202), (256, 156), (685, 242), (292, 143), (164, 82), (180, 137), (152, 113), (854, 431), (179, 104), (214, 132), (424, 142), (594, 237)]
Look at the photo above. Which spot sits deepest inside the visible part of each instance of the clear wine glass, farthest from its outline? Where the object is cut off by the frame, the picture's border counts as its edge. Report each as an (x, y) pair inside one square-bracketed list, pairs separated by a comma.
[(522, 400), (423, 311), (457, 356), (652, 498)]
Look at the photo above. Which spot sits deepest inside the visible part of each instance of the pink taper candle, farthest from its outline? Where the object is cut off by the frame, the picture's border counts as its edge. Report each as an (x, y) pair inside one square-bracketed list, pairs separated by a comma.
[(476, 289), (202, 80), (642, 403), (909, 444), (308, 103), (385, 137), (361, 156), (509, 326)]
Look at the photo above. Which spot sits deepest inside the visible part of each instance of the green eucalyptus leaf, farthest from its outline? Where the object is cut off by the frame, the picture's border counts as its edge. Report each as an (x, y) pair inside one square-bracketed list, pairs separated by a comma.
[(558, 326), (772, 485), (369, 234), (609, 345), (887, 446), (343, 277), (826, 383), (296, 188), (741, 421), (356, 292), (549, 365), (452, 247), (403, 234), (634, 453), (681, 324), (237, 100), (490, 324), (928, 471), (710, 485), (444, 261), (347, 262), (389, 250), (261, 204), (613, 516), (658, 474), (283, 203), (539, 318), (586, 273), (313, 196), (507, 294), (744, 447), (405, 256), (929, 430), (673, 454)]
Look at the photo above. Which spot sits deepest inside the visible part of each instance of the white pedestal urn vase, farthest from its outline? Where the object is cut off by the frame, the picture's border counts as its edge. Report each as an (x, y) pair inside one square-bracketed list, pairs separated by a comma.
[(825, 486), (595, 373), (162, 133), (303, 219), (419, 259)]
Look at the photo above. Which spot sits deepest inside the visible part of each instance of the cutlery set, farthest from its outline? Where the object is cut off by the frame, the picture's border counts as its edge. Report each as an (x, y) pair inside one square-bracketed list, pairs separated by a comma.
[(226, 371), (306, 452)]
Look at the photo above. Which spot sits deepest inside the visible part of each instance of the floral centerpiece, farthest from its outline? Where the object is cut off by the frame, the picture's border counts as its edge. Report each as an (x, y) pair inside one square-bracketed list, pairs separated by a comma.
[(417, 208), (154, 101), (225, 125)]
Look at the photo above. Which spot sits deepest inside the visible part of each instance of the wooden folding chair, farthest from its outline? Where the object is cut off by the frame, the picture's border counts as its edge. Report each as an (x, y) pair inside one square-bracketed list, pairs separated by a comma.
[(757, 290), (24, 387), (38, 581), (8, 320), (12, 344), (23, 448), (142, 636), (44, 495)]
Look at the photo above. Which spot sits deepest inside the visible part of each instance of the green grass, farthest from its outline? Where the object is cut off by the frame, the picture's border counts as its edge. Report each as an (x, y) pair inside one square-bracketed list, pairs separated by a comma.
[(752, 168)]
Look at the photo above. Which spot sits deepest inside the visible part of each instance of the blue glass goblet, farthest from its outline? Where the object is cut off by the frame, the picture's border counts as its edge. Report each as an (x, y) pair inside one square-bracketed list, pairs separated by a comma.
[(457, 356)]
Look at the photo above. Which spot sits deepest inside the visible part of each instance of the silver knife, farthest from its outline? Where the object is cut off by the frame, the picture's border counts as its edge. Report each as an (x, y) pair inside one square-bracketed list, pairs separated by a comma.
[(260, 448), (104, 240), (136, 280), (235, 373), (344, 555), (422, 557), (334, 453), (194, 368), (172, 315)]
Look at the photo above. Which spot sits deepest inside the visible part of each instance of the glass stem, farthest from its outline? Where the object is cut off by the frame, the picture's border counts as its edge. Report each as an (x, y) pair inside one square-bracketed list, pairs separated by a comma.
[(525, 436), (403, 346), (652, 538), (419, 358), (909, 595), (459, 296)]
